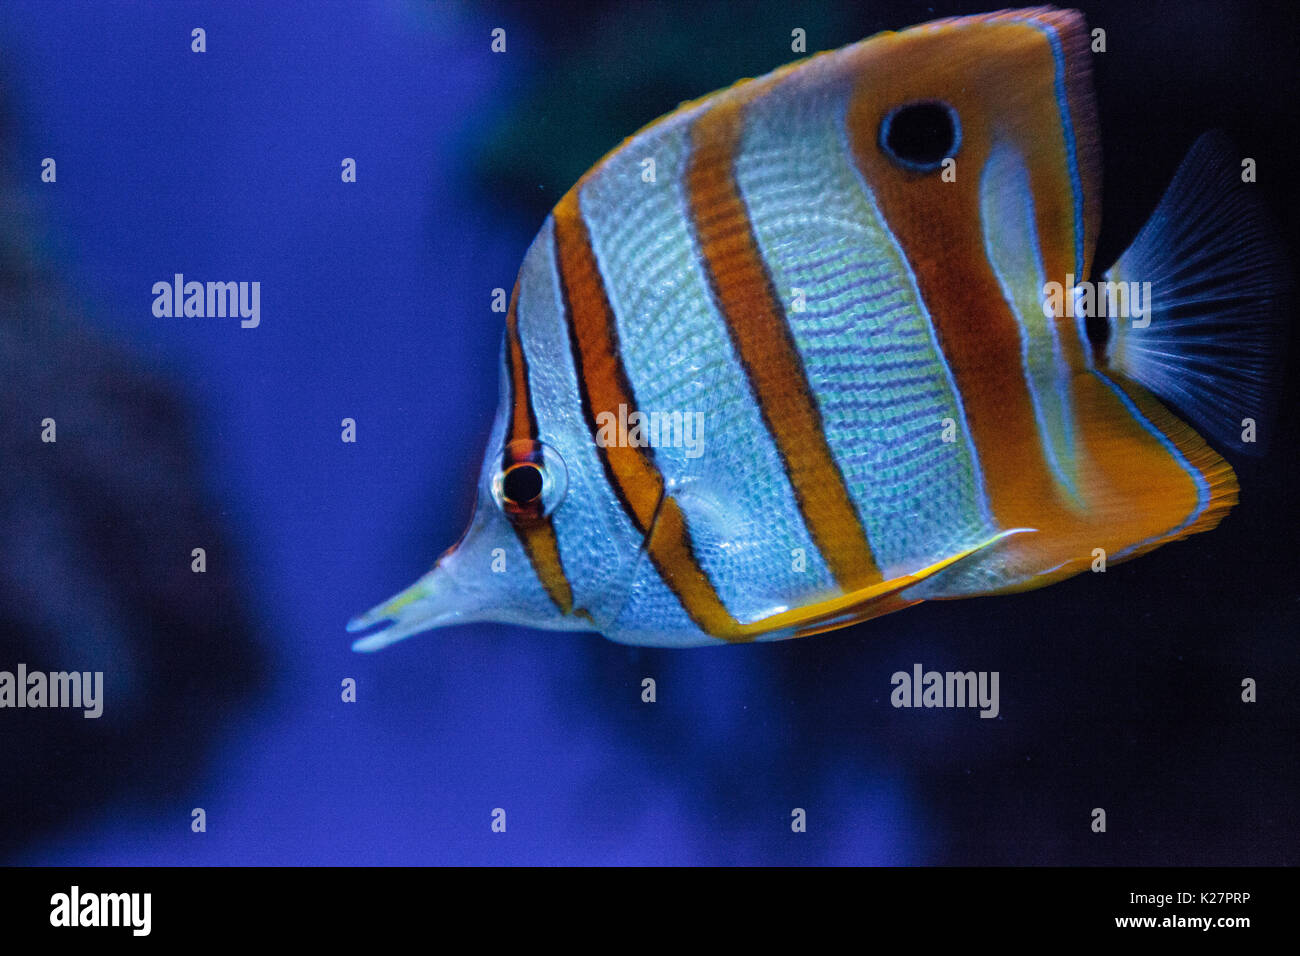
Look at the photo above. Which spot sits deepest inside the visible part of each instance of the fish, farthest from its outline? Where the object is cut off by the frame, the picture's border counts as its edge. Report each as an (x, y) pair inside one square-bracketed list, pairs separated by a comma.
[(822, 346)]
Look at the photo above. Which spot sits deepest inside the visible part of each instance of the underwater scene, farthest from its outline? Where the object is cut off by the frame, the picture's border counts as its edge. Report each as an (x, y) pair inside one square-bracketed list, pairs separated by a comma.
[(465, 433)]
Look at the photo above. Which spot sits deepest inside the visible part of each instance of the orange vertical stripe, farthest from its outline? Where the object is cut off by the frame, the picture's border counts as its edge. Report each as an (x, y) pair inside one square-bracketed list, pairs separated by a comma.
[(938, 226), (632, 472), (536, 535), (523, 423), (756, 321)]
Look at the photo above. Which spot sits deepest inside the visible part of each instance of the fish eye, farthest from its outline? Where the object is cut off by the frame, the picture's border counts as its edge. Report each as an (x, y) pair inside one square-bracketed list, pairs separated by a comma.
[(531, 481), (522, 483), (919, 136)]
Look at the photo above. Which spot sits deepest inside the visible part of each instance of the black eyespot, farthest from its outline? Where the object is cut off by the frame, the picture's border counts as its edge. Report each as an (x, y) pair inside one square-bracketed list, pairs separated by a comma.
[(921, 135), (522, 484)]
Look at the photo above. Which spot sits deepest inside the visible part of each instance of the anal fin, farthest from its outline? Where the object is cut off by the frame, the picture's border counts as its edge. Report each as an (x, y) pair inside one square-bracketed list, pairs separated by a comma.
[(864, 603)]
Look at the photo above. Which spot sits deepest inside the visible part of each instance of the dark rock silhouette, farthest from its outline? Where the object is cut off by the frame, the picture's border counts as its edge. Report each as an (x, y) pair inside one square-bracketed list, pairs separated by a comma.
[(96, 532)]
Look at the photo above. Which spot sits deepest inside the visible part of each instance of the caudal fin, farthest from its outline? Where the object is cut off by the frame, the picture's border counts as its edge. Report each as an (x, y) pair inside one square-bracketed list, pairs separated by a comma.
[(1211, 338)]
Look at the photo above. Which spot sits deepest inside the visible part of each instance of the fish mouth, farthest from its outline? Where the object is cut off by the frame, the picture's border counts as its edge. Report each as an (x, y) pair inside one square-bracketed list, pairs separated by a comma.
[(434, 601)]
